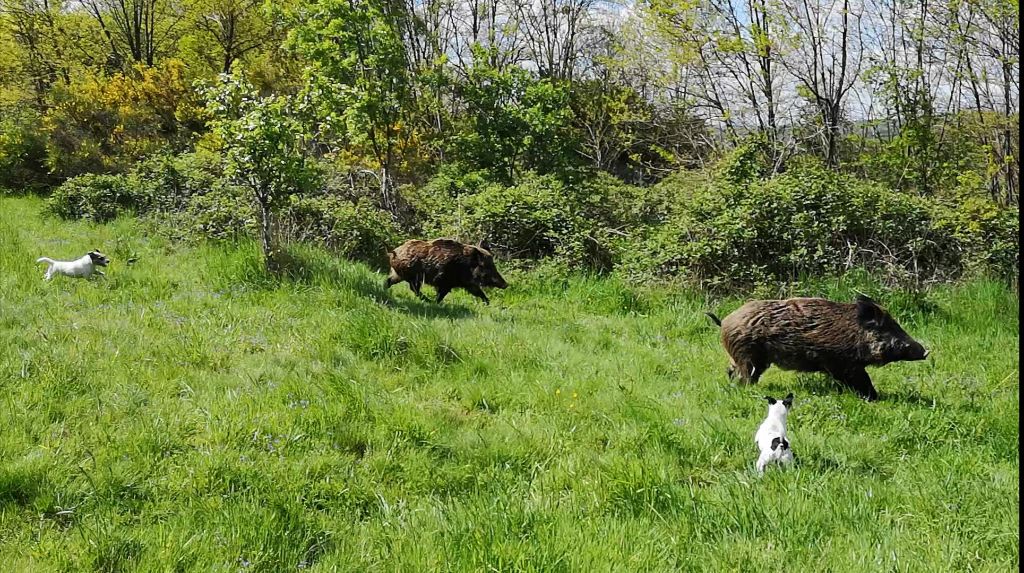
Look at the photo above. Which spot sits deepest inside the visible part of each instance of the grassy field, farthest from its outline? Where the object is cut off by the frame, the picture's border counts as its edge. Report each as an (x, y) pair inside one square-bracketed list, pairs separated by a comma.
[(186, 413)]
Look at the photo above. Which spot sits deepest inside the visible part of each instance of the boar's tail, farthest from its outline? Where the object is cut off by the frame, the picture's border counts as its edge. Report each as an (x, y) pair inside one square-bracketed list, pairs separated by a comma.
[(713, 318)]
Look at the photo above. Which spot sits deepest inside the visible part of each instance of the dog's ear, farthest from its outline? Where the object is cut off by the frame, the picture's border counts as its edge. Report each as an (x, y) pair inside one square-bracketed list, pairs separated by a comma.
[(770, 400), (776, 441), (788, 401)]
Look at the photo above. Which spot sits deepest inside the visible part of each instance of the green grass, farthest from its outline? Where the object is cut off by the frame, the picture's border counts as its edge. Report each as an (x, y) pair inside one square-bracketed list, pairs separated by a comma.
[(186, 413)]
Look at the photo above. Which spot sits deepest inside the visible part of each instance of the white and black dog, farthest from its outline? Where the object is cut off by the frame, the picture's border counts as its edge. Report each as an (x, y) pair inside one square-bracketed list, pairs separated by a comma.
[(84, 267), (771, 436)]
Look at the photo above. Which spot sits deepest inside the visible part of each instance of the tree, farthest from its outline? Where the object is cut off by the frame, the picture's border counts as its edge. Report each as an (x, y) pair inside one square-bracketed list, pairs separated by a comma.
[(138, 31), (358, 79), (555, 31), (263, 146), (513, 122), (33, 26), (825, 60), (237, 27)]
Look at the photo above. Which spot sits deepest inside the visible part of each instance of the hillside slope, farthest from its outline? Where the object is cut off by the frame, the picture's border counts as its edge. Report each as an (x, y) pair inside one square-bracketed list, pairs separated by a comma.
[(186, 413)]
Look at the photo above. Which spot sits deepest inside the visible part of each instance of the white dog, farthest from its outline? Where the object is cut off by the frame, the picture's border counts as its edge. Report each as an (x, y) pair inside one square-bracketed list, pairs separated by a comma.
[(771, 436), (78, 268)]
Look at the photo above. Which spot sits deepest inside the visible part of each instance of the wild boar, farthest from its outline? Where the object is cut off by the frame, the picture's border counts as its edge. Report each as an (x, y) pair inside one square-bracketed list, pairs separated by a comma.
[(444, 264), (815, 335)]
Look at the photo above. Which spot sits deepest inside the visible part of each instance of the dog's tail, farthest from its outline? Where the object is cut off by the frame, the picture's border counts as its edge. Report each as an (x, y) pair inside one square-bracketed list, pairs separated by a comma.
[(713, 318), (46, 260)]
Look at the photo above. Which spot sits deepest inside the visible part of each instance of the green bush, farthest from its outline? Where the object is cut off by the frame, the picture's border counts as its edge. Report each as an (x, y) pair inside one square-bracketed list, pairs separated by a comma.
[(355, 230), (808, 221), (748, 163), (224, 212), (543, 216), (173, 180), (22, 146), (988, 237), (99, 198), (580, 221)]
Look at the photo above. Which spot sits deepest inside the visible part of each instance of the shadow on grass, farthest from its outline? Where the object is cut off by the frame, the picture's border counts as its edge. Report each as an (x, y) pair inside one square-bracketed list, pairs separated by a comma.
[(301, 266), (805, 383), (821, 384), (424, 308), (910, 397)]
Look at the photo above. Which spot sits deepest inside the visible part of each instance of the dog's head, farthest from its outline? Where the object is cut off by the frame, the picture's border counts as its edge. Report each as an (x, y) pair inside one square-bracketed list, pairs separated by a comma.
[(779, 407), (98, 258)]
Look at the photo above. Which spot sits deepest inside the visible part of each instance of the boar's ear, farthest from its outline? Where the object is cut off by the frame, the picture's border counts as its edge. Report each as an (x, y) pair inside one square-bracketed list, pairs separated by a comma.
[(868, 313), (485, 245), (476, 257), (771, 400)]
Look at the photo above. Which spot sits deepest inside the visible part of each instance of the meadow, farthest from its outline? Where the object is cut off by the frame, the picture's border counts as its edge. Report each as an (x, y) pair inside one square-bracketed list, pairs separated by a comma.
[(189, 413)]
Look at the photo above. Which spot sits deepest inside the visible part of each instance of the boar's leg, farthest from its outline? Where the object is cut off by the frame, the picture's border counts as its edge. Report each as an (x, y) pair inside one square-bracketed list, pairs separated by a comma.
[(478, 293), (857, 378), (441, 293), (416, 283)]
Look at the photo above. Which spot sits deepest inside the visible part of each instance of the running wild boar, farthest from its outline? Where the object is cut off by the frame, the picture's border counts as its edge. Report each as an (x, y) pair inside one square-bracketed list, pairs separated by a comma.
[(815, 335), (444, 264)]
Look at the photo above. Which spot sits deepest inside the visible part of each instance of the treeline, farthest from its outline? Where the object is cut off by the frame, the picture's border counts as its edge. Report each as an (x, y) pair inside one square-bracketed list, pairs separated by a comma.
[(578, 130)]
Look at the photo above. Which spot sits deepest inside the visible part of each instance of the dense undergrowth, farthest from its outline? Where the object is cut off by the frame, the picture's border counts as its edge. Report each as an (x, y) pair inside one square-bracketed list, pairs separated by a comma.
[(727, 229)]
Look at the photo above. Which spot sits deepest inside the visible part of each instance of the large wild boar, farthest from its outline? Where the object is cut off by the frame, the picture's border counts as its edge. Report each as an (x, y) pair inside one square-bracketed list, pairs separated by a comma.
[(815, 335), (444, 264)]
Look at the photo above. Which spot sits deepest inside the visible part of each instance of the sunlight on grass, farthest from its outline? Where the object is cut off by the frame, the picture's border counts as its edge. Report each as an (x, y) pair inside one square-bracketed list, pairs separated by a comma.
[(190, 413)]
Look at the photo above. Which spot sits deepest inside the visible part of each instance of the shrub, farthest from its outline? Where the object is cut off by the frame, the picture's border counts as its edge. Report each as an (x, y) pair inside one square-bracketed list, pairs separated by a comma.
[(808, 221), (173, 180), (988, 236), (355, 230), (22, 146), (531, 220), (100, 124), (748, 163), (580, 221), (99, 198), (224, 212)]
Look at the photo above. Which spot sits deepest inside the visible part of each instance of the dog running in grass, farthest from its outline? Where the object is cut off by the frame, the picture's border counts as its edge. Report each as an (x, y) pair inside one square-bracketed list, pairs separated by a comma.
[(83, 267), (771, 437)]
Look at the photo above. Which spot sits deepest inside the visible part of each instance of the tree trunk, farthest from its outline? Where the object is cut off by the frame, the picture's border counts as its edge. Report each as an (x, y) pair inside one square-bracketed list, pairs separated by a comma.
[(266, 235)]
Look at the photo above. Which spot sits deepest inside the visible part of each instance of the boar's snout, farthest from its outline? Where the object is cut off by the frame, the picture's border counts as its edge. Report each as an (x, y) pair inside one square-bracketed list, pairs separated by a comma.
[(497, 281), (920, 352), (485, 273), (910, 350)]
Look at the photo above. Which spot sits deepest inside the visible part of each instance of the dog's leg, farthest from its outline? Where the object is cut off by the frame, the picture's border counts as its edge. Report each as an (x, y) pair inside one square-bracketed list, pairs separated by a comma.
[(762, 461), (787, 457)]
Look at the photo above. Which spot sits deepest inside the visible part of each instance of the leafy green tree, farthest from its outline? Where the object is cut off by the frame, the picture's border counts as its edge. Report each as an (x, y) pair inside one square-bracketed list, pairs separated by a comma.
[(235, 27), (263, 145), (358, 81), (513, 122)]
